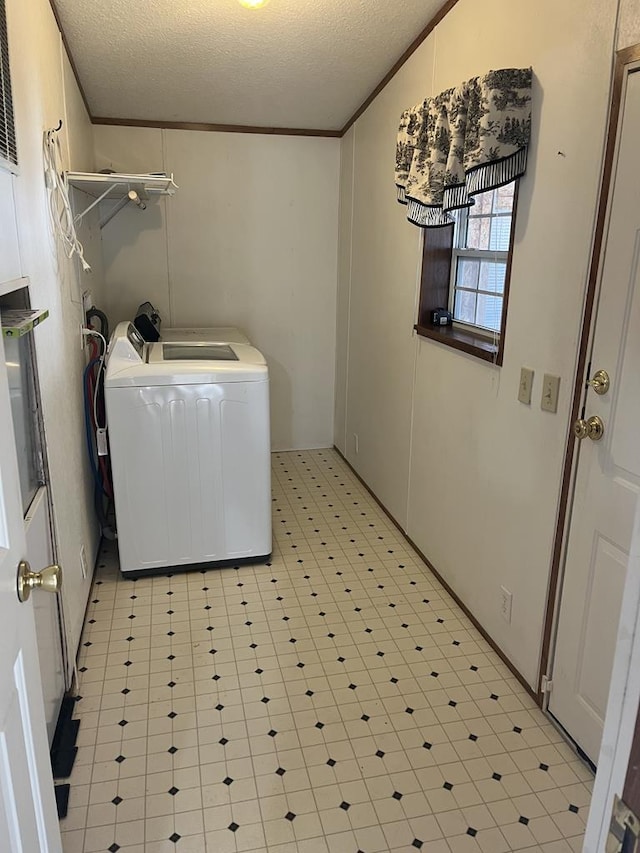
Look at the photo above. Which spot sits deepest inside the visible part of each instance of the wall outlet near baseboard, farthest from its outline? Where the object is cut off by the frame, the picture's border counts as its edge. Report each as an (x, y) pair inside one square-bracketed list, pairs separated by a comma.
[(506, 601), (356, 447), (83, 561)]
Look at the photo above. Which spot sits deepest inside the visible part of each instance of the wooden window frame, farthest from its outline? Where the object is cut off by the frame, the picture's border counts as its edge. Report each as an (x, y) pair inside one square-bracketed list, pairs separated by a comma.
[(435, 289)]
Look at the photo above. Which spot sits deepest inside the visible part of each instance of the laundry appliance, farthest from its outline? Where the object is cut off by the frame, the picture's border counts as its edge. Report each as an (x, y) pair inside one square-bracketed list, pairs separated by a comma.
[(148, 322), (189, 440), (213, 335)]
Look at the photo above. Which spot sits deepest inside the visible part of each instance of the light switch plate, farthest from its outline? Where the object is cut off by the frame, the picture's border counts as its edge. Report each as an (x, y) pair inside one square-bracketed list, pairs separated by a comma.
[(550, 393), (526, 385)]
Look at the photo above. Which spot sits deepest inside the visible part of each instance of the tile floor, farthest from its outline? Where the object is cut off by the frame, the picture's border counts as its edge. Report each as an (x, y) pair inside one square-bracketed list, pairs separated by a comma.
[(334, 701)]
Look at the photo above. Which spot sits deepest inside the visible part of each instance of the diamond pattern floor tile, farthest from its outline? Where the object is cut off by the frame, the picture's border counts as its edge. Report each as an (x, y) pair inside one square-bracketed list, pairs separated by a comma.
[(334, 699)]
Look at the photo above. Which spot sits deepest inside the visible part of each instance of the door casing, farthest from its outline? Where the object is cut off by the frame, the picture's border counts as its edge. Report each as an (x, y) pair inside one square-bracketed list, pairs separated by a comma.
[(626, 62)]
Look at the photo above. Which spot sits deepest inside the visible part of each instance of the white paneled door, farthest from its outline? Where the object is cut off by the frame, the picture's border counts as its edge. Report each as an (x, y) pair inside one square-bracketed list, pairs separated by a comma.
[(608, 473), (28, 818)]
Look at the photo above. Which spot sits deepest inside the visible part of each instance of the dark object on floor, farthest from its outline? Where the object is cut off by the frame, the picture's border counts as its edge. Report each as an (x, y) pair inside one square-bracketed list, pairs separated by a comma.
[(64, 749), (62, 799)]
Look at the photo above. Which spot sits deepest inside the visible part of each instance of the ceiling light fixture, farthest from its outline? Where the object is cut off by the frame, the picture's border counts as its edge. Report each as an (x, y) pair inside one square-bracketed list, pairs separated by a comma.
[(253, 4)]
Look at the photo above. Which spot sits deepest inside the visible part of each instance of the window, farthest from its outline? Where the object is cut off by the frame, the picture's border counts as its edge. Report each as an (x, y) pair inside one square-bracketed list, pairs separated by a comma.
[(480, 255), (465, 268), (8, 149)]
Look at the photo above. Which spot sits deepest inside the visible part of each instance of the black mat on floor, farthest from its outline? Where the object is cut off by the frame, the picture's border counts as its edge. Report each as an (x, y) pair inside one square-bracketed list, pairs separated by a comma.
[(62, 799), (63, 748)]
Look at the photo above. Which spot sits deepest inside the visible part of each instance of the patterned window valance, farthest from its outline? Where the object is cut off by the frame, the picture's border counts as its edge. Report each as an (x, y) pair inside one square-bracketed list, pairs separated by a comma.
[(467, 140)]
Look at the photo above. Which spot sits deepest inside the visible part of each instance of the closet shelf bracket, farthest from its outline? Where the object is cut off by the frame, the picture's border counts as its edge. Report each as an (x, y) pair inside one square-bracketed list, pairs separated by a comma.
[(118, 187)]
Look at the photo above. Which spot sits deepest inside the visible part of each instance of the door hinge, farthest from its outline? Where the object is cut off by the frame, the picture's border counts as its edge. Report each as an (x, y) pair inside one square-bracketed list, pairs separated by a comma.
[(547, 684)]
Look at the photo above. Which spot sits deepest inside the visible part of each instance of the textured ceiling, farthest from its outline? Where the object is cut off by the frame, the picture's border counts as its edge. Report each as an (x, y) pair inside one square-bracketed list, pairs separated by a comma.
[(293, 63)]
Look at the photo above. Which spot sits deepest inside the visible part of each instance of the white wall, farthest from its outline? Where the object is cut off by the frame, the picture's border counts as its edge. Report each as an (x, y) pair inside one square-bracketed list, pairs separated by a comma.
[(470, 473), (249, 240), (45, 91), (629, 24)]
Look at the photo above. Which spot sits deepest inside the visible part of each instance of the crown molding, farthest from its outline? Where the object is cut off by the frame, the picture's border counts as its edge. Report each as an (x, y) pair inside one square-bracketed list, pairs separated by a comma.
[(217, 128), (74, 68), (415, 44)]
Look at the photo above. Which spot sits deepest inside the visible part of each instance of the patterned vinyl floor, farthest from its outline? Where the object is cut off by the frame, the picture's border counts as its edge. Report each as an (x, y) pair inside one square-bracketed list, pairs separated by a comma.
[(335, 700)]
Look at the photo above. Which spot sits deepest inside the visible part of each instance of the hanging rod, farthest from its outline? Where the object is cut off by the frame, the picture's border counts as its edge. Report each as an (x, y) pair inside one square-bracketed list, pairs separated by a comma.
[(123, 187)]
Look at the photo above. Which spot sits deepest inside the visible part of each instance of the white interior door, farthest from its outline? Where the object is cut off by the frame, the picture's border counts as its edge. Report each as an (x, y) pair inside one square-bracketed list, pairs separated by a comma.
[(28, 819), (37, 527), (608, 472), (28, 430)]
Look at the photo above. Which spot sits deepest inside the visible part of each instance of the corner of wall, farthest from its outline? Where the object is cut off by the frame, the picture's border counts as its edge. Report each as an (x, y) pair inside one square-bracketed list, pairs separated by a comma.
[(343, 302)]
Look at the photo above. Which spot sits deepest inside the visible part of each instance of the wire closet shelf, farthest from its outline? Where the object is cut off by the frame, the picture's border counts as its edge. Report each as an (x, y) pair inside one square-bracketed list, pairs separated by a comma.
[(119, 187)]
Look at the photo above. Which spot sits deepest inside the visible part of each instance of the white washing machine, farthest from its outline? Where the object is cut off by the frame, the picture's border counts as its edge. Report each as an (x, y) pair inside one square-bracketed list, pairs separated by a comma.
[(148, 322), (216, 334), (189, 440)]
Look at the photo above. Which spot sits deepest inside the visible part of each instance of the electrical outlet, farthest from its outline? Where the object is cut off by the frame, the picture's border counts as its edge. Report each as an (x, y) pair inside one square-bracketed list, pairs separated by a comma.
[(550, 393), (356, 447), (526, 385), (87, 301), (506, 601), (83, 561)]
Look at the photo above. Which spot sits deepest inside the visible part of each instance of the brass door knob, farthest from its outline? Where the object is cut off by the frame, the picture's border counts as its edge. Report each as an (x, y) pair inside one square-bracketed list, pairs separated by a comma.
[(49, 579), (592, 428), (580, 429), (600, 382), (595, 428)]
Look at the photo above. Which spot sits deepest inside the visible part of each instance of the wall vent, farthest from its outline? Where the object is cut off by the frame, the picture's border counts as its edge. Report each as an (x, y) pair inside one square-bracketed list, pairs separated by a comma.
[(8, 147)]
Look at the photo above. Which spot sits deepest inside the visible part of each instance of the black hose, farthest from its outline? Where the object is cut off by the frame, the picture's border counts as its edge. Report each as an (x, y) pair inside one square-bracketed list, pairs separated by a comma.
[(104, 322), (106, 528), (99, 497)]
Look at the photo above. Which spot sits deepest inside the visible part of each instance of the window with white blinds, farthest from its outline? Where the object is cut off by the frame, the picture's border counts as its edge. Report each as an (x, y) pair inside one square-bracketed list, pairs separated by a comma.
[(8, 148), (480, 255)]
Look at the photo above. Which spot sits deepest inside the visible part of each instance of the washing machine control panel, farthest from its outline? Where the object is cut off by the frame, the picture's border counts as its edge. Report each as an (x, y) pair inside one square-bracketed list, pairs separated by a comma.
[(127, 345), (136, 340)]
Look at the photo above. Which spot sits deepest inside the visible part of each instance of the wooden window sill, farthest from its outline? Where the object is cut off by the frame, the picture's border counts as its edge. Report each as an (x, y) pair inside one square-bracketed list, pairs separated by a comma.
[(465, 340)]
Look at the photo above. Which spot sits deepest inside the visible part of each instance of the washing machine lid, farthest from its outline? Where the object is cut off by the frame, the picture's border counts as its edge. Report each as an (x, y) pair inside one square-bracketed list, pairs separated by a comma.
[(193, 351), (216, 334), (191, 363)]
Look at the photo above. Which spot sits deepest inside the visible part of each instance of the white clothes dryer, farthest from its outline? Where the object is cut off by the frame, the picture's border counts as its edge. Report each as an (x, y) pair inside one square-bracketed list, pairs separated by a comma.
[(188, 426)]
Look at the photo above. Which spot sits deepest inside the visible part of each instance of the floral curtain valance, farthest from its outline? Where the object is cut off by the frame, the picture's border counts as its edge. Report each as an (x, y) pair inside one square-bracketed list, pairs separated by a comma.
[(467, 140)]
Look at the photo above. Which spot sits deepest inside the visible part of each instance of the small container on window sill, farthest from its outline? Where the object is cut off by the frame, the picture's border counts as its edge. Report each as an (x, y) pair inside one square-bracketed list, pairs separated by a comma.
[(441, 317)]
